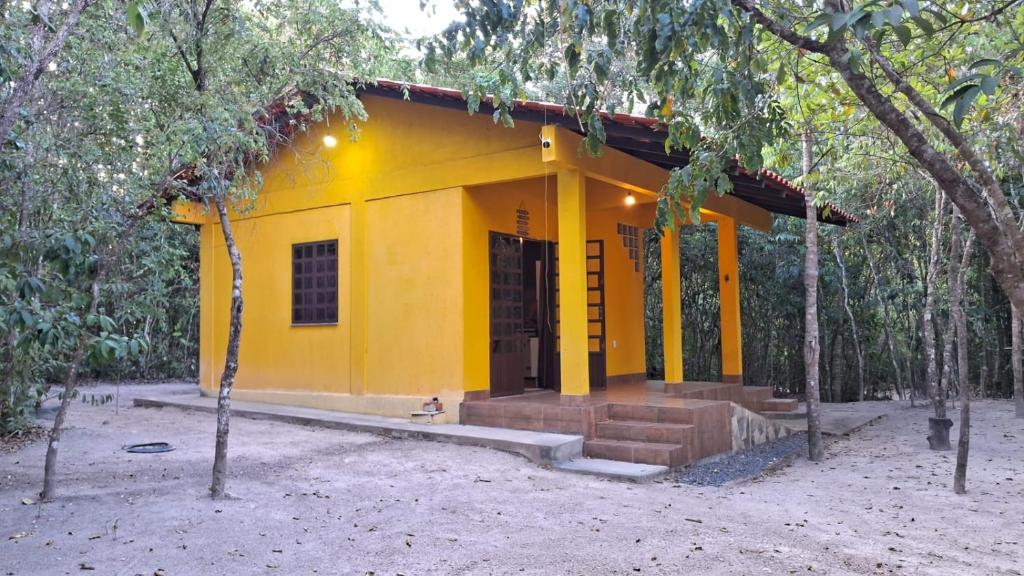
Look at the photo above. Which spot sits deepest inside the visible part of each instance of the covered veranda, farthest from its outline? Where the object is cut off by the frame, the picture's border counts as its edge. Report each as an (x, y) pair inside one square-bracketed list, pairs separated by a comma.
[(668, 422), (623, 416)]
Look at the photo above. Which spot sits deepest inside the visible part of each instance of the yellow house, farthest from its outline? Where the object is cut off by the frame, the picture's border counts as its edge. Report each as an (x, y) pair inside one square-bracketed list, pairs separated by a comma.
[(442, 255)]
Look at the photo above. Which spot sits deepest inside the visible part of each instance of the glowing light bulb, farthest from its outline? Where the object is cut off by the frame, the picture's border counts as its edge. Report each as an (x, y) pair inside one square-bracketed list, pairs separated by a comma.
[(330, 141), (630, 200)]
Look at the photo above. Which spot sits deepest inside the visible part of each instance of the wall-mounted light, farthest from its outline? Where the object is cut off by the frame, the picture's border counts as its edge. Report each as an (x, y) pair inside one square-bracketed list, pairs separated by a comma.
[(330, 141), (630, 200)]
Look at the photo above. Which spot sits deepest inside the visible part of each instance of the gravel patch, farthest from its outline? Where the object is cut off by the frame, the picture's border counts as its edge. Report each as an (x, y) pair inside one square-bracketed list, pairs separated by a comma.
[(743, 465)]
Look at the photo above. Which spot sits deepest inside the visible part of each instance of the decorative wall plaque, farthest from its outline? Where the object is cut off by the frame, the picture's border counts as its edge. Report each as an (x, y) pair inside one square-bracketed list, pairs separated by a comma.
[(522, 220)]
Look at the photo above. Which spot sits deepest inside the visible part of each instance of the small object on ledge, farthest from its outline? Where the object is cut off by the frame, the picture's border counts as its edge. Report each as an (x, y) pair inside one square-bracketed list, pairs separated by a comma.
[(433, 405), (425, 416)]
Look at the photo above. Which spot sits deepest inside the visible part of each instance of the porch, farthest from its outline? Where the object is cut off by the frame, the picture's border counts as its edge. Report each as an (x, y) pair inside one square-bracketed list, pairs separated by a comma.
[(648, 422)]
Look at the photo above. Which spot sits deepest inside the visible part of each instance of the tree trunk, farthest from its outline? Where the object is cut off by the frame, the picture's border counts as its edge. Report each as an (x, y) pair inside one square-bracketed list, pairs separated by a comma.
[(853, 321), (227, 378), (815, 445), (964, 444), (887, 325), (928, 323), (960, 319), (49, 491), (952, 276), (1016, 360), (938, 426)]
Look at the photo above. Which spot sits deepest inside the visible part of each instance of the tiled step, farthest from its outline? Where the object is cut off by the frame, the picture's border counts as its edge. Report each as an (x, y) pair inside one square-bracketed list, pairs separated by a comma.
[(639, 452), (640, 431), (754, 394), (778, 405), (636, 412)]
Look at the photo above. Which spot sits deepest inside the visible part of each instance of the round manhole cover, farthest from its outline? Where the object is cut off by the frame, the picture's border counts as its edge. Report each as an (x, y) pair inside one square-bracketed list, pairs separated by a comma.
[(150, 448)]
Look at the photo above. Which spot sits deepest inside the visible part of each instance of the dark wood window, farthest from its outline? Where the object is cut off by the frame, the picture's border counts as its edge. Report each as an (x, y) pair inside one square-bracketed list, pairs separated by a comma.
[(315, 282)]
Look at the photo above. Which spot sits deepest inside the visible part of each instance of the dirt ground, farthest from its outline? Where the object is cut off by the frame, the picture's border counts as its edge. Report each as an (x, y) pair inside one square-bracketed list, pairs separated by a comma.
[(315, 501)]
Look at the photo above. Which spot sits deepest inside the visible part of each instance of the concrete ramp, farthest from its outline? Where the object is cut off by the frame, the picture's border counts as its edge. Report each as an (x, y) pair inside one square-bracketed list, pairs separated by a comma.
[(836, 419)]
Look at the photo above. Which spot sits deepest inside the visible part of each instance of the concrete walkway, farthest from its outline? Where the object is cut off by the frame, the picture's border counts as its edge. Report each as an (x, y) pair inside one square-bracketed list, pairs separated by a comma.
[(561, 451), (836, 419)]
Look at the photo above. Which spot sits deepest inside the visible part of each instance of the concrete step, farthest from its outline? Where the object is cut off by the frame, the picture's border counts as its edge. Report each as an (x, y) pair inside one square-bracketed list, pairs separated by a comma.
[(658, 453), (777, 405), (640, 431), (613, 469)]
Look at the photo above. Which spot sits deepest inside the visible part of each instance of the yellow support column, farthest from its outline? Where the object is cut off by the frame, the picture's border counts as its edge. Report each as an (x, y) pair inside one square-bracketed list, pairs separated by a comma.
[(729, 297), (572, 285), (671, 306)]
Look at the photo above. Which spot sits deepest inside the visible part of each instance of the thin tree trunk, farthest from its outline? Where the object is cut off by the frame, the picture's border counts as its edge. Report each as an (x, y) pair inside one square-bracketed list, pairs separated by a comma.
[(227, 378), (887, 325), (815, 445), (853, 321), (960, 319), (963, 446), (49, 491), (931, 370), (952, 274), (1016, 360)]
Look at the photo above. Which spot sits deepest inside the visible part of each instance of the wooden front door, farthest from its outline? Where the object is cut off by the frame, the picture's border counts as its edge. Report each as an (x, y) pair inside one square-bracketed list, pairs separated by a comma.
[(508, 340)]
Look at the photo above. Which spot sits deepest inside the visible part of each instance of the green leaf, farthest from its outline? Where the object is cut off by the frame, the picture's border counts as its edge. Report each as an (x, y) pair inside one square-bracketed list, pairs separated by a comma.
[(818, 22), (724, 184), (988, 85), (924, 25), (895, 15), (948, 100), (912, 7), (969, 79), (838, 20), (903, 33), (963, 104), (137, 17), (985, 62)]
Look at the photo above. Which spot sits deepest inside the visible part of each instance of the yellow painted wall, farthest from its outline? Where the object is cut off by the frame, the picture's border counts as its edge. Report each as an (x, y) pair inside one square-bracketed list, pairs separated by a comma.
[(624, 298), (414, 258), (274, 355), (624, 285), (402, 149)]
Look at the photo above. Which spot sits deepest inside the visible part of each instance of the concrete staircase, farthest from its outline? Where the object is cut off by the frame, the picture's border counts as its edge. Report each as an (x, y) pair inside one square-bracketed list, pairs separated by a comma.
[(663, 435), (674, 427)]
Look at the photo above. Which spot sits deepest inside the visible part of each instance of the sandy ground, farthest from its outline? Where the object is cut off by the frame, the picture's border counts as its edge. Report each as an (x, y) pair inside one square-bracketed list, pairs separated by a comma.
[(313, 501)]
